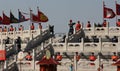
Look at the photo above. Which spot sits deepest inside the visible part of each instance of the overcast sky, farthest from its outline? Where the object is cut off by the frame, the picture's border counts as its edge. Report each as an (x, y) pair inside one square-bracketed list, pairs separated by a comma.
[(60, 12)]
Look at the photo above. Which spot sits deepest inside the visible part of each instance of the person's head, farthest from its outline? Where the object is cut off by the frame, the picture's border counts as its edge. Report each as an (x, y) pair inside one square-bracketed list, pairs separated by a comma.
[(104, 20), (11, 26), (119, 20), (28, 53), (88, 21), (76, 53), (70, 21), (58, 53), (32, 24), (20, 25), (5, 27), (92, 53), (114, 53), (78, 21), (39, 23)]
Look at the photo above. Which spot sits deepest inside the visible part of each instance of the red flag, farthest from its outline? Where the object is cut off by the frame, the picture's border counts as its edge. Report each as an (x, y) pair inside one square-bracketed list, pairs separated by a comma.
[(6, 20), (34, 18), (42, 17), (118, 9), (108, 13), (0, 20)]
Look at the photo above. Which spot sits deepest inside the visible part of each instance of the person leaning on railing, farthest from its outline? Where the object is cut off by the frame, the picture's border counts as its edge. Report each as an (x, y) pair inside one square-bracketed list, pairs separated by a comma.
[(28, 57), (11, 28), (58, 57), (114, 57), (104, 23), (21, 28), (118, 23), (77, 27), (5, 29), (88, 24), (32, 27)]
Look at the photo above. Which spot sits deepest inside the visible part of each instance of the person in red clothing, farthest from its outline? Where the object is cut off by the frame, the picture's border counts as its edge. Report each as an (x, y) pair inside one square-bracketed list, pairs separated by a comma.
[(1, 29), (77, 56), (78, 26), (114, 57), (118, 23), (21, 28), (40, 26), (58, 57), (28, 57), (5, 29), (32, 27), (92, 57), (88, 24), (11, 28), (104, 23)]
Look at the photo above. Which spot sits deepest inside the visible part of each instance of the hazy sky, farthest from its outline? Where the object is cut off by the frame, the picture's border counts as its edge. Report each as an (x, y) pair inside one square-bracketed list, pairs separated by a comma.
[(60, 12)]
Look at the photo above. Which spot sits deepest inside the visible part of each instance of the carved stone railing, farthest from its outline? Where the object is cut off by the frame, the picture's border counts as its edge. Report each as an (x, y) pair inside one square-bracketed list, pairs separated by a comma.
[(75, 47), (90, 47), (101, 31), (114, 31), (109, 47), (88, 31), (86, 47), (86, 65)]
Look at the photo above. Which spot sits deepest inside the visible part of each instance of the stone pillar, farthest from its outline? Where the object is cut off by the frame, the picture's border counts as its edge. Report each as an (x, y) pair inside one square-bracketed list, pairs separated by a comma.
[(107, 28), (94, 28), (66, 43), (75, 62), (33, 59)]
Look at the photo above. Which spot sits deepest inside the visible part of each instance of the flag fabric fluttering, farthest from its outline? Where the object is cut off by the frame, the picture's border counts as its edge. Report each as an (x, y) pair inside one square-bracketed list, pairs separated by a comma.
[(42, 17), (108, 13), (22, 17), (0, 20), (5, 20), (117, 9), (34, 18), (13, 19)]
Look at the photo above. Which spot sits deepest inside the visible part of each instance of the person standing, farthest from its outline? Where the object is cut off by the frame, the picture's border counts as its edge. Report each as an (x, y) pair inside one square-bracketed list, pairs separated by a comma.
[(5, 29), (28, 57), (40, 26), (21, 28), (78, 27), (71, 67), (32, 27), (71, 29), (104, 23), (118, 23), (88, 24), (11, 28)]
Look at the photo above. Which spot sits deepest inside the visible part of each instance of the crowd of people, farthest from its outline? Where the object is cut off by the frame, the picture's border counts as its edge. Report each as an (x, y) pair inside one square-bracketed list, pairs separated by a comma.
[(78, 26), (20, 28)]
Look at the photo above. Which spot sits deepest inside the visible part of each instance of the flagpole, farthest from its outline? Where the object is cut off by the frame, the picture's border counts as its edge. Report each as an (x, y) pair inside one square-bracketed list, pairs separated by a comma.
[(30, 23), (19, 20), (116, 11), (103, 9), (38, 10)]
